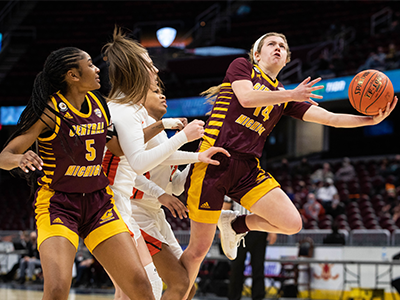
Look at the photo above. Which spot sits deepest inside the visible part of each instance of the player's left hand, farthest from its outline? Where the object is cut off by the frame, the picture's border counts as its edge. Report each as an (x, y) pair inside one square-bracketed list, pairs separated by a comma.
[(175, 206), (382, 115), (205, 156)]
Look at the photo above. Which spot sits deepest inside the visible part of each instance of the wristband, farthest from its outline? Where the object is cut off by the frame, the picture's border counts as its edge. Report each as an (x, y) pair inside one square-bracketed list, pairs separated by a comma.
[(169, 123)]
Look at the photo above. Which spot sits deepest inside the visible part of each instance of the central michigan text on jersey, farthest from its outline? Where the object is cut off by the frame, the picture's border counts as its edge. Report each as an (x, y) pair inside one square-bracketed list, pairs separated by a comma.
[(241, 129)]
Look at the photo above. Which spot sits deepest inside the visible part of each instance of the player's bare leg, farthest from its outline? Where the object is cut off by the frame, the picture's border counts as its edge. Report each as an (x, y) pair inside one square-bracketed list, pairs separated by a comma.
[(173, 273), (201, 238), (57, 256), (146, 260), (125, 268), (274, 212)]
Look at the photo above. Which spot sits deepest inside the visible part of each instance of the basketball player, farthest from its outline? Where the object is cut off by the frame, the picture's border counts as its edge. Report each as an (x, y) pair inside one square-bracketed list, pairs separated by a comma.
[(130, 120), (249, 104), (74, 199)]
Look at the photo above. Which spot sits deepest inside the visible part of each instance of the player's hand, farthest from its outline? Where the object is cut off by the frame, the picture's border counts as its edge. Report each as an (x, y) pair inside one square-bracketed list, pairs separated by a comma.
[(183, 121), (271, 238), (173, 123), (175, 206), (30, 161), (382, 115), (194, 130), (205, 156), (304, 91)]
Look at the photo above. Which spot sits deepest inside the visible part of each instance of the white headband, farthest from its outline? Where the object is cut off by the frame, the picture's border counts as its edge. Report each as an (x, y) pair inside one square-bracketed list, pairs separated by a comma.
[(255, 47)]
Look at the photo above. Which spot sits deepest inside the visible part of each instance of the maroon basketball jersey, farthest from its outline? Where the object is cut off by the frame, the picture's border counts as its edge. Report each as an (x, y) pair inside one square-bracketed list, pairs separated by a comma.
[(72, 164), (245, 130)]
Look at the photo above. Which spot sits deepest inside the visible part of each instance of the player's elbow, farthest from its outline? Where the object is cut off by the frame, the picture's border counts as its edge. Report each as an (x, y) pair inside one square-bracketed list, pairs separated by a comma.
[(245, 101)]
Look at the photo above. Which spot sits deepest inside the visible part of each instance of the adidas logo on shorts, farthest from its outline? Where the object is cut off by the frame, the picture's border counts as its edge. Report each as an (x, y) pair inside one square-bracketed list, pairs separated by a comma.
[(58, 220), (205, 205)]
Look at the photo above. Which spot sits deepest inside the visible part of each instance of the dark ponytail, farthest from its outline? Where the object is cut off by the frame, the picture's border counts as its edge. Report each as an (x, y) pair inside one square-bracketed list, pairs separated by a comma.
[(47, 82)]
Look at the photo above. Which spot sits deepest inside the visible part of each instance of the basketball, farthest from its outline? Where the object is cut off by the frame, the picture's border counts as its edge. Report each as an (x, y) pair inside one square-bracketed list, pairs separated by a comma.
[(369, 91)]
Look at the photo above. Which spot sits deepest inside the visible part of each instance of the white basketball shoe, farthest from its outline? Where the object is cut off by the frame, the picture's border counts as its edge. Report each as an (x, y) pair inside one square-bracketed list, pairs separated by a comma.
[(230, 240)]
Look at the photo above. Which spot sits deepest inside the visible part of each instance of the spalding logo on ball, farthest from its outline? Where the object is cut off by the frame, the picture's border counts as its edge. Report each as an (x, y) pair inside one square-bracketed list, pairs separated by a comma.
[(369, 91)]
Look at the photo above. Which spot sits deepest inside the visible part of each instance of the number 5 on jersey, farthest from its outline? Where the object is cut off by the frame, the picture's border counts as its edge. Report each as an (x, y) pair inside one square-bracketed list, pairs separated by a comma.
[(91, 155)]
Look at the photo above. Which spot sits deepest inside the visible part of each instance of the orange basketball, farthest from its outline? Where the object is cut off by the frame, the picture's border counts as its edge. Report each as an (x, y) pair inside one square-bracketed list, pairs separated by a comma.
[(369, 91)]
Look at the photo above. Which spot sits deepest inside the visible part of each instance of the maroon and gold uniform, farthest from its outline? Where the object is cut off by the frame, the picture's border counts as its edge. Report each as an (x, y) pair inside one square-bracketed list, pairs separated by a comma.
[(74, 198), (241, 131)]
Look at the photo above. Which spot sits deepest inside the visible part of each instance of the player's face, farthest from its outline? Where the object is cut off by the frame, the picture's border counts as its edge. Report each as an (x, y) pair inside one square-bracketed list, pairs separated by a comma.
[(154, 71), (273, 53), (88, 74), (156, 104)]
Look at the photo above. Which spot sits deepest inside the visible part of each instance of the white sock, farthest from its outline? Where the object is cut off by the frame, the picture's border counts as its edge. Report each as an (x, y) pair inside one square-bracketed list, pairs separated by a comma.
[(155, 280)]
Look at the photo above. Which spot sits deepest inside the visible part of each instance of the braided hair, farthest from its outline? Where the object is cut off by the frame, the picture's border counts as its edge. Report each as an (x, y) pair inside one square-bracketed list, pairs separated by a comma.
[(47, 82)]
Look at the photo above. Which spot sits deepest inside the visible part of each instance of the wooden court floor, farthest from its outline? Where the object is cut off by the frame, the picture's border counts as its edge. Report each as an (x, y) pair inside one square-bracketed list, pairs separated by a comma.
[(9, 292), (18, 292)]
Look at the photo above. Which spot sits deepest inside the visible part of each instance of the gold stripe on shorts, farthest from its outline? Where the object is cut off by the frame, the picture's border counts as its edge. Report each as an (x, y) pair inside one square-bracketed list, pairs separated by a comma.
[(108, 230), (43, 222), (256, 193), (194, 194)]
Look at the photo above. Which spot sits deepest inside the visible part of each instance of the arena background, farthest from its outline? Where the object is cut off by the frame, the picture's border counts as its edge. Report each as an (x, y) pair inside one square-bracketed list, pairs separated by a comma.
[(331, 39)]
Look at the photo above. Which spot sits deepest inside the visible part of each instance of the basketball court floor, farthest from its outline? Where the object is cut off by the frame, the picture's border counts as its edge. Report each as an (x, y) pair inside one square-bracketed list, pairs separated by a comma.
[(34, 292)]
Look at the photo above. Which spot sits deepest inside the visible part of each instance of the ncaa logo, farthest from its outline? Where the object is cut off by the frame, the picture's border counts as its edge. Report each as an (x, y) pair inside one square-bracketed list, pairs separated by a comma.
[(257, 70), (97, 111), (62, 106)]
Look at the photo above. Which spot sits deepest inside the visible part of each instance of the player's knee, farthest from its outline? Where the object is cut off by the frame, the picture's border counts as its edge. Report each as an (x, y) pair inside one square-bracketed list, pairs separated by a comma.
[(295, 225), (57, 291), (197, 253)]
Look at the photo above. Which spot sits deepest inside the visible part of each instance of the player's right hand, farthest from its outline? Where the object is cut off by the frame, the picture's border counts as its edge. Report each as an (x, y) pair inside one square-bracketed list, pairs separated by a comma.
[(30, 160), (304, 91), (205, 156), (194, 130), (183, 124), (175, 206)]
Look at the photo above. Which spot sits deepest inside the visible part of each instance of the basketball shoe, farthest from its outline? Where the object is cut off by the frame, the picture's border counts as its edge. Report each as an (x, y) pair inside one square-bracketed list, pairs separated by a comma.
[(230, 240)]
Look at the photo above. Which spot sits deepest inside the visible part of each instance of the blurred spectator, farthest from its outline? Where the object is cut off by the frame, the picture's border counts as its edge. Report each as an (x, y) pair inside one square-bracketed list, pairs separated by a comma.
[(334, 237), (322, 174), (392, 60), (337, 63), (376, 60), (30, 262), (89, 272), (391, 201), (303, 168), (336, 208), (312, 208), (394, 169), (346, 172), (384, 168), (83, 270), (289, 192), (284, 168), (325, 67), (326, 193), (20, 244)]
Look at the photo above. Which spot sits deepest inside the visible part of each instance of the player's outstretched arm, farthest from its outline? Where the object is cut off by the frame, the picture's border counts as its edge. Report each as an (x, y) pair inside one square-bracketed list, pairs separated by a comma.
[(248, 97), (322, 116)]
